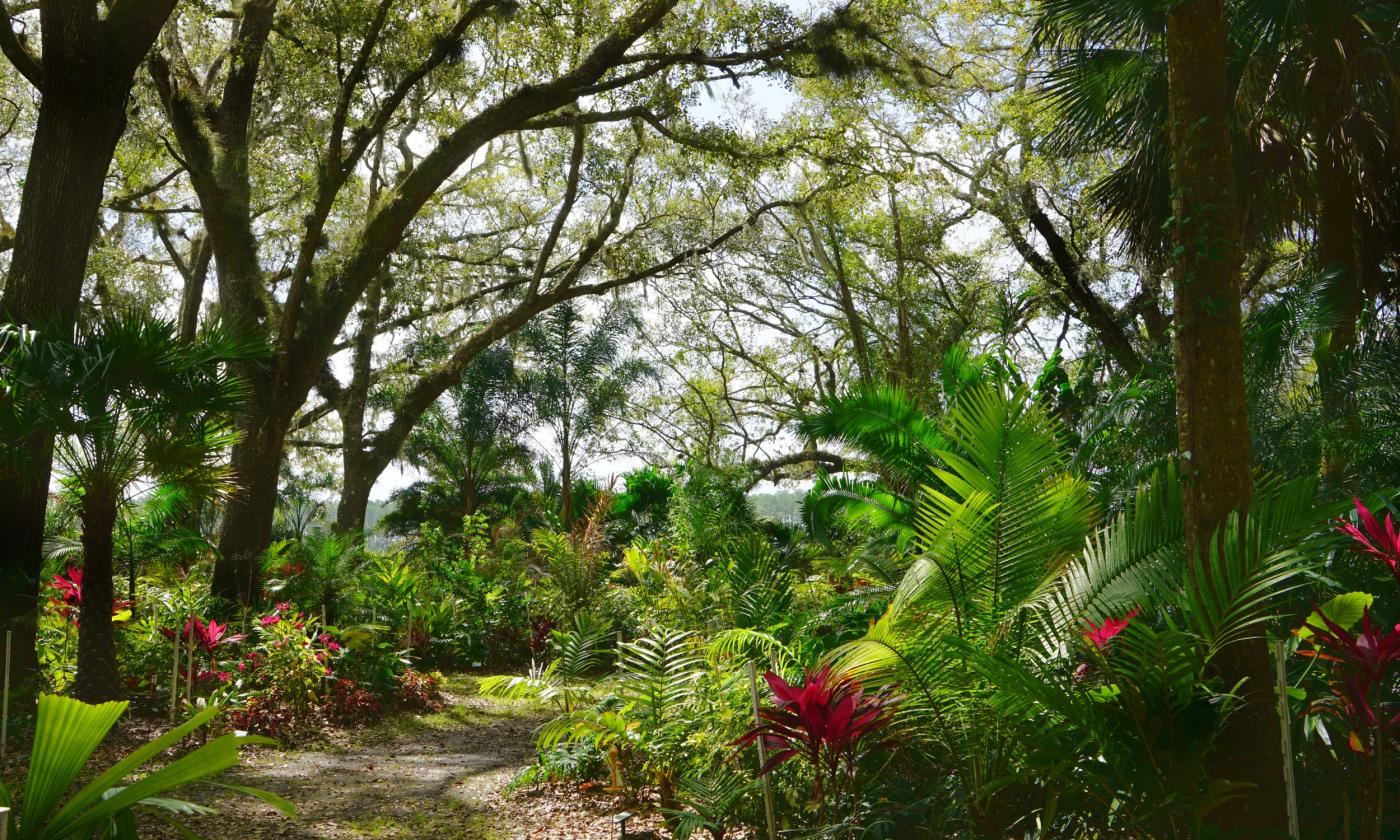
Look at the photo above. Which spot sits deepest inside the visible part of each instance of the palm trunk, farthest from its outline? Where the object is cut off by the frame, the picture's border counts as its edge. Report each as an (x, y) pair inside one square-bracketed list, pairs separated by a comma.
[(566, 480), (98, 680), (1336, 233), (1211, 415)]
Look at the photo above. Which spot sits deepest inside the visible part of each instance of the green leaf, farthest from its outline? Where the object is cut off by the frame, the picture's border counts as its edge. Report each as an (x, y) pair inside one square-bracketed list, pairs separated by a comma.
[(66, 735), (286, 808), (1344, 611)]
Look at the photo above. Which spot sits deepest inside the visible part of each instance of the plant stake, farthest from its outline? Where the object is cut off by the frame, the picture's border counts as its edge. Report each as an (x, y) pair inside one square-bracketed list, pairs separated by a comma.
[(1286, 732), (762, 757), (189, 660), (174, 677), (5, 718)]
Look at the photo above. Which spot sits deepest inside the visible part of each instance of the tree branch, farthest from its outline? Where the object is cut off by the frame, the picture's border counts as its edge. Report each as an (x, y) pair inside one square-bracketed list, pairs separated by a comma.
[(18, 52)]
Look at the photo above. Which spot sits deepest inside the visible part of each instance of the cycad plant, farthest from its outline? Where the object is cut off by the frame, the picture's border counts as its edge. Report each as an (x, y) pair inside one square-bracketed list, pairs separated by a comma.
[(994, 529), (577, 653), (313, 571), (1117, 688), (641, 724), (126, 398)]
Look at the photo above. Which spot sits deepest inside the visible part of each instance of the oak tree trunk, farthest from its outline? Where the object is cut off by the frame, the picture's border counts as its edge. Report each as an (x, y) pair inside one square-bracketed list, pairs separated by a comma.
[(81, 117), (1211, 413), (357, 483), (248, 514)]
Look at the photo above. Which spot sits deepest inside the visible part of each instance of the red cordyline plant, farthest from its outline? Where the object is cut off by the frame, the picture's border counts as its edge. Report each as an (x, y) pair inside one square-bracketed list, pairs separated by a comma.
[(68, 597), (1378, 542), (210, 635), (1362, 679), (829, 721), (1363, 666)]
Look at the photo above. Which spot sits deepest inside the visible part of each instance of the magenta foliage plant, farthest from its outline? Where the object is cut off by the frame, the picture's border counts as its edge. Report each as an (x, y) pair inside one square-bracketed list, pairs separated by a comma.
[(829, 722), (1383, 543), (1363, 667)]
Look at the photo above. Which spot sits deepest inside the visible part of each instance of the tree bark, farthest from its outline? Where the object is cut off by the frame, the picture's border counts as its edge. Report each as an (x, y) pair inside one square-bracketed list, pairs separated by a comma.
[(1211, 415), (1066, 273), (98, 680), (1336, 231), (354, 494), (73, 145), (248, 514), (84, 76)]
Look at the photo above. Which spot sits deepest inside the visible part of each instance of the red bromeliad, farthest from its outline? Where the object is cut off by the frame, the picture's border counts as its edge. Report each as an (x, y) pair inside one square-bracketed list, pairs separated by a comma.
[(828, 721), (1099, 635), (1379, 542)]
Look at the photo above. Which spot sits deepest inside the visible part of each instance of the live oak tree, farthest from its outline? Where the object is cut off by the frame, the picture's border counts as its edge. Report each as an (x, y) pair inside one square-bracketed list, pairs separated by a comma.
[(82, 61), (448, 85), (606, 210)]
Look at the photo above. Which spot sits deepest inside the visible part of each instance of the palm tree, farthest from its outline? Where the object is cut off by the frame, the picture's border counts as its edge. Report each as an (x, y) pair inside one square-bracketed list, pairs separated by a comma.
[(895, 441), (580, 379), (471, 445), (126, 399)]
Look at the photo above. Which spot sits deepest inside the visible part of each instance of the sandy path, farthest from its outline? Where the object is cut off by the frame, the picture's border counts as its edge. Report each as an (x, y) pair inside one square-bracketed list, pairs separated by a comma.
[(435, 776)]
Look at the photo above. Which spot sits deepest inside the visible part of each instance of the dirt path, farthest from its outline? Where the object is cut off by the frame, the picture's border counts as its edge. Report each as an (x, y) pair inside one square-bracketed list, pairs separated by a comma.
[(436, 776)]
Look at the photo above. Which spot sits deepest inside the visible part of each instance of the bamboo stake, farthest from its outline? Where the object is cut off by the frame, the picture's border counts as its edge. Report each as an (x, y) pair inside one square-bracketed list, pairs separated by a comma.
[(175, 677), (5, 715), (1286, 730), (762, 757), (325, 680), (189, 660)]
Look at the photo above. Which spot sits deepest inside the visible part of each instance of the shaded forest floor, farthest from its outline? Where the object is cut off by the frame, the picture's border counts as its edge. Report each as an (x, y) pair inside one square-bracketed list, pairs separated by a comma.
[(438, 776)]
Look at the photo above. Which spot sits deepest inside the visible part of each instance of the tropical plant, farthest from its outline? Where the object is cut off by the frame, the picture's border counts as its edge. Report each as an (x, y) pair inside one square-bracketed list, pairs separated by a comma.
[(574, 564), (753, 586), (577, 652), (470, 445), (900, 444), (66, 735), (709, 803), (314, 571), (580, 379), (126, 398), (1117, 686), (640, 725)]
